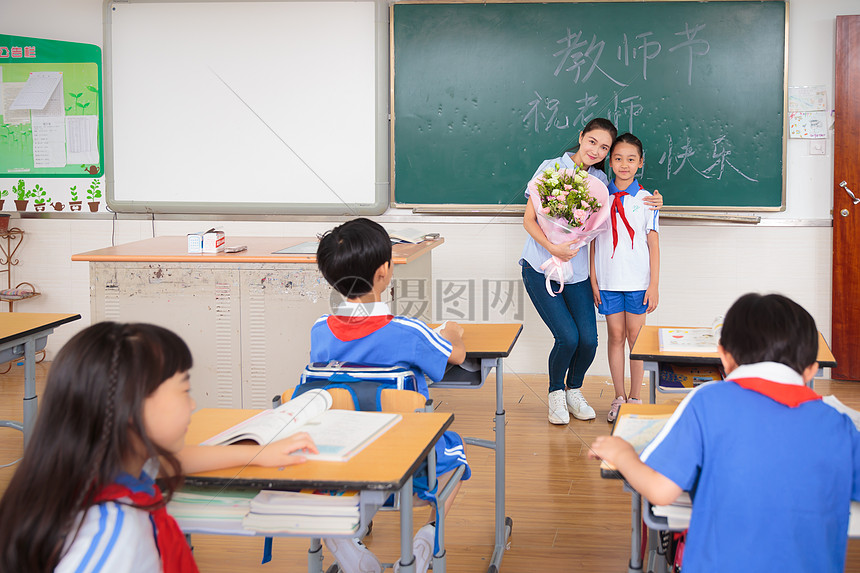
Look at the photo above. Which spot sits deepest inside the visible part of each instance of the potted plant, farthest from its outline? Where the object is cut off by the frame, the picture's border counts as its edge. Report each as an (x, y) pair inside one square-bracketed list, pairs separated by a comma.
[(20, 191), (39, 199), (94, 193), (74, 204), (3, 193)]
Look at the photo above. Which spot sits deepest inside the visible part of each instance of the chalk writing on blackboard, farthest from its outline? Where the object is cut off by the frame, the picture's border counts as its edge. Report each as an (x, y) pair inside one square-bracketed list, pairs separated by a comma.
[(721, 154)]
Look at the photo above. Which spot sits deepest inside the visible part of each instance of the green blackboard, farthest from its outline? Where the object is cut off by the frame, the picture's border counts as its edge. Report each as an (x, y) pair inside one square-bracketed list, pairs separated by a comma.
[(484, 92), (63, 138)]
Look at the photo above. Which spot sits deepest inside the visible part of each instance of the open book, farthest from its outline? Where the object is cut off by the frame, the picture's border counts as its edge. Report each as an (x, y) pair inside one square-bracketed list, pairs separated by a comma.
[(638, 430), (338, 434), (691, 339)]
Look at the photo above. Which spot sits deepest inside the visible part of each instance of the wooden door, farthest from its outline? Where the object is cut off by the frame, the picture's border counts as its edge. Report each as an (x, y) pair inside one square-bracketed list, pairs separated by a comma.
[(846, 212)]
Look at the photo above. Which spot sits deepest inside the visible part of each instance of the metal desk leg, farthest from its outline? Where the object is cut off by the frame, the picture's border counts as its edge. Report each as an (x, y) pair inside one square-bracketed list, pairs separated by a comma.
[(503, 524), (315, 556), (407, 560), (30, 400), (635, 564), (652, 369)]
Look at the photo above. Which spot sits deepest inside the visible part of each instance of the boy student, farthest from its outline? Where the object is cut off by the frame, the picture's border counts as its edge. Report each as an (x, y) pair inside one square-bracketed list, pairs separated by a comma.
[(770, 467), (355, 258)]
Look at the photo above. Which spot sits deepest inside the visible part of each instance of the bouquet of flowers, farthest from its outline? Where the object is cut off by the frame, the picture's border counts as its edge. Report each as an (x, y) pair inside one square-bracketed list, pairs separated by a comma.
[(571, 205)]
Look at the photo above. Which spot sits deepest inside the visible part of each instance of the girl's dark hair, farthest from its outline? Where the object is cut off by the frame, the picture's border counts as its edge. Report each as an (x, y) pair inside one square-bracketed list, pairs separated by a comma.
[(628, 138), (597, 123), (349, 255), (770, 328), (89, 423)]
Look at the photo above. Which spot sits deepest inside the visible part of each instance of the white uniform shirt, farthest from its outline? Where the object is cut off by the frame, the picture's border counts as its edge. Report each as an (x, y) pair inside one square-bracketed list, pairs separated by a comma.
[(630, 268)]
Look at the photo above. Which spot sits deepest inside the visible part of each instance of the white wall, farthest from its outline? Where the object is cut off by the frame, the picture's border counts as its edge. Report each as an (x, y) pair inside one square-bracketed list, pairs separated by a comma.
[(704, 266)]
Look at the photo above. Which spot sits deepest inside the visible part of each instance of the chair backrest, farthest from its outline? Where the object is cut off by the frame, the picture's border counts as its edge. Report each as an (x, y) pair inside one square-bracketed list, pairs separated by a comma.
[(362, 387)]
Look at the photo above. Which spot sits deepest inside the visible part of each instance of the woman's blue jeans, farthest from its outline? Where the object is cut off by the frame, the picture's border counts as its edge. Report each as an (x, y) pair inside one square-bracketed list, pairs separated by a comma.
[(571, 319)]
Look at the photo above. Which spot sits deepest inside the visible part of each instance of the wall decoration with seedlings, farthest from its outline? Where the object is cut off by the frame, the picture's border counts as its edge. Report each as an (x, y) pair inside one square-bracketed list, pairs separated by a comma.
[(51, 129)]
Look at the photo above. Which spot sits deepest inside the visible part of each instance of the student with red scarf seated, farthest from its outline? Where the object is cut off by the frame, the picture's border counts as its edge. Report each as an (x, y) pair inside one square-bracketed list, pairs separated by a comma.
[(770, 467), (83, 499), (625, 266)]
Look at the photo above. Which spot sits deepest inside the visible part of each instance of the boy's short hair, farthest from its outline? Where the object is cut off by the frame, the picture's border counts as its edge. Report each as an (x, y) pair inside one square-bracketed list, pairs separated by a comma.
[(349, 255), (770, 328)]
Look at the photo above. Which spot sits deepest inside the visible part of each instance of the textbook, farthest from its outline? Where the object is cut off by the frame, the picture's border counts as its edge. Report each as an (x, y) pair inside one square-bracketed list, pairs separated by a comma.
[(639, 430), (308, 511), (411, 235), (338, 434), (691, 339)]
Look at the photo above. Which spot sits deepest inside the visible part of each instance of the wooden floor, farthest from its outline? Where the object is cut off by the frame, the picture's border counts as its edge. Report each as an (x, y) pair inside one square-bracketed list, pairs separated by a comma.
[(566, 518)]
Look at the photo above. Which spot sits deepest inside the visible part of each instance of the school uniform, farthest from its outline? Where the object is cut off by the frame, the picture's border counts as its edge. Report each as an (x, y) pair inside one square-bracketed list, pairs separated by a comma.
[(621, 257), (114, 537), (771, 470), (368, 333)]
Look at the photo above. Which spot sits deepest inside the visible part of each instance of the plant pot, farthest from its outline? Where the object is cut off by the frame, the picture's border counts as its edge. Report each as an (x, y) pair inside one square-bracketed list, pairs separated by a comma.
[(94, 206), (4, 223), (74, 205), (1, 203), (21, 204), (57, 206), (39, 206)]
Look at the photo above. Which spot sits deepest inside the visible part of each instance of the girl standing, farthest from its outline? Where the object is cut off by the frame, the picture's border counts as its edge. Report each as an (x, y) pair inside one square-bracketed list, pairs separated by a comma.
[(625, 266), (83, 499), (569, 315)]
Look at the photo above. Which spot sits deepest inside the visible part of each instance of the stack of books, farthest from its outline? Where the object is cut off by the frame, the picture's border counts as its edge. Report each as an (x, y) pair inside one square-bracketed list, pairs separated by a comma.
[(211, 509), (310, 511)]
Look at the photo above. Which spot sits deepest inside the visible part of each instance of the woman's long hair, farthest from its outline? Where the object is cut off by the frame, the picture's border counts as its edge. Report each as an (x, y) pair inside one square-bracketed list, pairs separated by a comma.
[(90, 421)]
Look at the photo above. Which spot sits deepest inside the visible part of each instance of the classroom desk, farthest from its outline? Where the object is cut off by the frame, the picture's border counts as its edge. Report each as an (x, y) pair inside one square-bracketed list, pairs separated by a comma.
[(384, 467), (647, 349), (489, 344), (22, 334), (657, 560), (246, 316)]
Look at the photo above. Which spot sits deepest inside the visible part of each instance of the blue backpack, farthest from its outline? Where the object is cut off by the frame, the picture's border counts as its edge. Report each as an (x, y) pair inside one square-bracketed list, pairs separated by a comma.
[(364, 382)]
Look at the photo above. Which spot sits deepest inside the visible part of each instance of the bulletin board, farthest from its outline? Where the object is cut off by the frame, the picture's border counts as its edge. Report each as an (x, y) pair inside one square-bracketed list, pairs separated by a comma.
[(484, 92), (51, 108)]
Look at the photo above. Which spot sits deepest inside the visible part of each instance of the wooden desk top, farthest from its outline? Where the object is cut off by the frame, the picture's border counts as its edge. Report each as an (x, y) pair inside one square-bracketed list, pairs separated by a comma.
[(647, 347), (14, 325), (489, 340), (260, 250), (384, 464)]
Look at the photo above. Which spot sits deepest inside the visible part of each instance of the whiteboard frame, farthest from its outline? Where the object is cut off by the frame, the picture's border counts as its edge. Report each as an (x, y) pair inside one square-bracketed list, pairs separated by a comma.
[(510, 208), (381, 192)]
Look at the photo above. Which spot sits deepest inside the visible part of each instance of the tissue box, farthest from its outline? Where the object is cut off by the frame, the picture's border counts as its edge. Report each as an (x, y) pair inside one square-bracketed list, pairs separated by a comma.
[(210, 241)]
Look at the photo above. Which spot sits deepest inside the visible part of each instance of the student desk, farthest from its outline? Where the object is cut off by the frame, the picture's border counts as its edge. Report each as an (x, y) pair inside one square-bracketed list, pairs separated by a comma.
[(247, 316), (383, 467), (647, 349), (22, 334), (681, 514), (487, 345)]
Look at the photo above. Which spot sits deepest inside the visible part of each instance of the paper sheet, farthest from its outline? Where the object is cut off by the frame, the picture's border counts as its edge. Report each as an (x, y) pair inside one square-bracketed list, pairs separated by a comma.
[(38, 89)]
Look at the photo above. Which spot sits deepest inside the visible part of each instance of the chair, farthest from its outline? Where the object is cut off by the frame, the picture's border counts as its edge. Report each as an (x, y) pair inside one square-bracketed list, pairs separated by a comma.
[(349, 391)]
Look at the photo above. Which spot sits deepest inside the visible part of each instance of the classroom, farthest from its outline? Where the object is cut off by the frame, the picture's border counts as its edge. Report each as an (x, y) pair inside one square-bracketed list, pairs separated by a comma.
[(706, 263)]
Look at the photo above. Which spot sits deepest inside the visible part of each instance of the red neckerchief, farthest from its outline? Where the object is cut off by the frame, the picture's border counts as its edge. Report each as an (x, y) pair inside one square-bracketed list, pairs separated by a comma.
[(175, 554), (348, 328), (791, 395), (618, 207)]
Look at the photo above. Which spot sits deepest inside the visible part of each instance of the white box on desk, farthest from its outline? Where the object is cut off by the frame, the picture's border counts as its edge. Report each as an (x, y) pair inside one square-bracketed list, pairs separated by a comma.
[(210, 241)]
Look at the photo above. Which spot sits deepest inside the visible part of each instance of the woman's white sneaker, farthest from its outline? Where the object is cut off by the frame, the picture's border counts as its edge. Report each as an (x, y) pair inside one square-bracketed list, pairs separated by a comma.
[(577, 405), (557, 408)]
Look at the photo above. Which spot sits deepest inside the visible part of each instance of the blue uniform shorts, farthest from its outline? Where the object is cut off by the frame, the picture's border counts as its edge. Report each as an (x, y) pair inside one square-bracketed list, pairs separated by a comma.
[(615, 301), (450, 454)]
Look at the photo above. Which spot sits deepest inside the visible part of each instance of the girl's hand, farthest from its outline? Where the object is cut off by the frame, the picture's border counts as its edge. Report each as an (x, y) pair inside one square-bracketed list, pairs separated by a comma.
[(652, 297), (562, 251), (595, 290), (655, 201), (286, 452)]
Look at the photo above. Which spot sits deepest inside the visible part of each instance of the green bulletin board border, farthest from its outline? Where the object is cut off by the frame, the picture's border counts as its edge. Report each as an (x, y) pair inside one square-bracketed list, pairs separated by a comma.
[(39, 53)]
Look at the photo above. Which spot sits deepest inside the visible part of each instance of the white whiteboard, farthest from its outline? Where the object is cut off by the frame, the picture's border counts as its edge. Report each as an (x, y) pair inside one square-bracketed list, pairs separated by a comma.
[(246, 107)]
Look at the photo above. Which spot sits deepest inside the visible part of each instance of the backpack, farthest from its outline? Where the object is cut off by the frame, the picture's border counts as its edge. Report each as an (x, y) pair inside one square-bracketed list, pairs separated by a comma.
[(364, 382)]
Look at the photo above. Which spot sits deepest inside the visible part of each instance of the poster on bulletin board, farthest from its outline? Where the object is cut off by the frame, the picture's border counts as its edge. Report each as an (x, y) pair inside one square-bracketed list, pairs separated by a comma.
[(51, 108)]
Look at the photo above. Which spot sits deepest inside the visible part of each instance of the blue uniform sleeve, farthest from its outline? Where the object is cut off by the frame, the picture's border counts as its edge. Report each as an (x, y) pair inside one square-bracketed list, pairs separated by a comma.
[(431, 351), (677, 451), (855, 482)]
